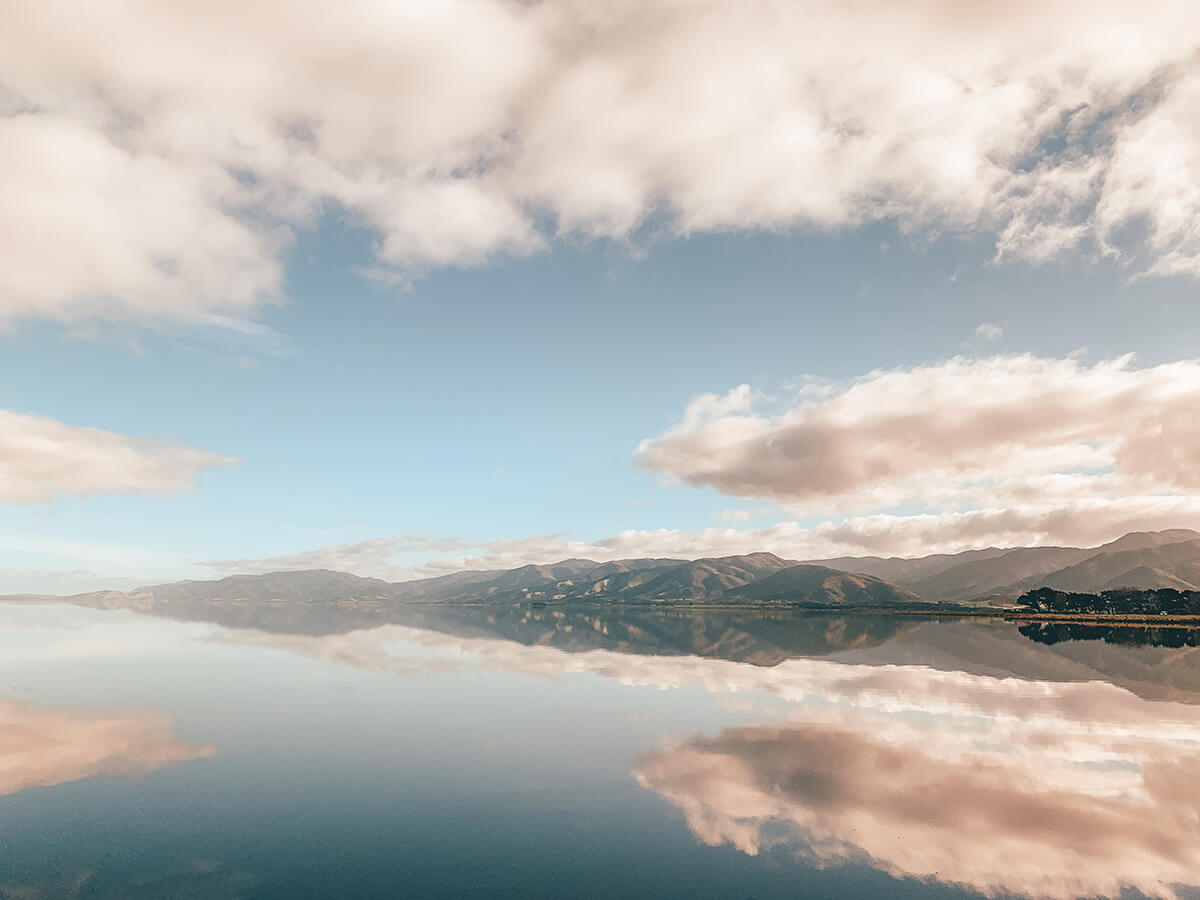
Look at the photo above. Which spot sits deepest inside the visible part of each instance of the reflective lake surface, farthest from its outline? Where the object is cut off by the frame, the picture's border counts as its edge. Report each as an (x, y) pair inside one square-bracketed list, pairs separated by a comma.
[(225, 751)]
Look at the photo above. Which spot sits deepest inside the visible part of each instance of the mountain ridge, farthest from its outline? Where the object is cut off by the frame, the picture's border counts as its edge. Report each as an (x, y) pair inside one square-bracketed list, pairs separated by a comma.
[(1168, 558), (728, 580)]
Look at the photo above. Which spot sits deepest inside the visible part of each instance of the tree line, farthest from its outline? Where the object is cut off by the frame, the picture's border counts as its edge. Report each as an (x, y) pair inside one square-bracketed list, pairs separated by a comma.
[(1121, 601)]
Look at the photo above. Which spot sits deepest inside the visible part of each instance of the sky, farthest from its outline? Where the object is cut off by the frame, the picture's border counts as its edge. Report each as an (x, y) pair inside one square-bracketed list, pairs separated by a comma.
[(402, 288)]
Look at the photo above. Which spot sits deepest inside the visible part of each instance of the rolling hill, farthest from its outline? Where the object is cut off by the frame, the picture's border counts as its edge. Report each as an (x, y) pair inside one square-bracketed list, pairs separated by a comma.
[(808, 585), (752, 579), (1144, 559), (1174, 565), (1139, 559)]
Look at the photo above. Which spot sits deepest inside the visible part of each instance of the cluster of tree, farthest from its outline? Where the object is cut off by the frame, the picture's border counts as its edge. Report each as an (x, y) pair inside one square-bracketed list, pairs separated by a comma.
[(1126, 635), (1122, 601)]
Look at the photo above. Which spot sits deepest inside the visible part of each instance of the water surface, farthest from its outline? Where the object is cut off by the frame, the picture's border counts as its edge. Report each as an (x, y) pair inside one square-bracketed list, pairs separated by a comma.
[(221, 751)]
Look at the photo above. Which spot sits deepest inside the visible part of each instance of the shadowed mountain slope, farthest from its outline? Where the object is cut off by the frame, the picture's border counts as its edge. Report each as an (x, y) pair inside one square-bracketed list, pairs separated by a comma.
[(903, 570), (819, 586), (1170, 565), (971, 580), (1011, 572)]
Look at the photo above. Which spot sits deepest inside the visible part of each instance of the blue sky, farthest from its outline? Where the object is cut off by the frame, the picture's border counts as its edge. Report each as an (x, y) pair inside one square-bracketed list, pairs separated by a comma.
[(424, 387)]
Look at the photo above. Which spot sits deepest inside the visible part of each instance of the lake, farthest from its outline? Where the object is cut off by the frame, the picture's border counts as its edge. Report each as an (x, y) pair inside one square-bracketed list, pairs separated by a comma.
[(291, 751)]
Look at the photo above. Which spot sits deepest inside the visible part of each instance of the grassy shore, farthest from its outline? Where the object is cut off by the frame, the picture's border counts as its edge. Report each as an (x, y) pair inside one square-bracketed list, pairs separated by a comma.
[(1104, 619), (1021, 615)]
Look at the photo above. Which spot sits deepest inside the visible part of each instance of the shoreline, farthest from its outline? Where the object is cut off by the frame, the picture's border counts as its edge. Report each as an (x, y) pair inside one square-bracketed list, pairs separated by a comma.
[(1017, 615), (1005, 613), (1011, 615)]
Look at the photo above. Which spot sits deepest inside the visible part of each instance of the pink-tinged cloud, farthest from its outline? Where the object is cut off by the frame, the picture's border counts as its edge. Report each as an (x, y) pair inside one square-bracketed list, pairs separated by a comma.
[(1004, 432)]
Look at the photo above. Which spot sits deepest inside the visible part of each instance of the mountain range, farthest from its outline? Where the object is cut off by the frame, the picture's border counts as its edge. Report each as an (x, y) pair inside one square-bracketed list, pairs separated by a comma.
[(756, 579), (990, 576)]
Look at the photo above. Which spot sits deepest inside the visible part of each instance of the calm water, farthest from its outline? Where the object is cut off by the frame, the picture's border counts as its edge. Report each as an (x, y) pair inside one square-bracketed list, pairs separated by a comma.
[(218, 752)]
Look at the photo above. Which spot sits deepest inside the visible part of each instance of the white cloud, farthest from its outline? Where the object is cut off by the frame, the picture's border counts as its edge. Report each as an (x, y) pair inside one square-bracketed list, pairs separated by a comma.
[(153, 164), (95, 229), (41, 457), (989, 331), (374, 557), (1010, 432)]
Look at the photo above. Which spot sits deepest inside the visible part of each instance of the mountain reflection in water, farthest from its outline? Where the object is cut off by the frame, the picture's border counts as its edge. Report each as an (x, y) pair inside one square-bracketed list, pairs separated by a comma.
[(509, 751), (760, 637)]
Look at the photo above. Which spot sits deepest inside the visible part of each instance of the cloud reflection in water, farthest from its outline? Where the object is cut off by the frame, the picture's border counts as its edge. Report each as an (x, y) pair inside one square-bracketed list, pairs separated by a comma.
[(1021, 785), (1002, 785), (54, 746)]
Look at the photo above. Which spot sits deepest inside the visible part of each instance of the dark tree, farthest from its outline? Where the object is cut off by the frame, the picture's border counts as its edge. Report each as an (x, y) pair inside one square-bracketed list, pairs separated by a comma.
[(1119, 601)]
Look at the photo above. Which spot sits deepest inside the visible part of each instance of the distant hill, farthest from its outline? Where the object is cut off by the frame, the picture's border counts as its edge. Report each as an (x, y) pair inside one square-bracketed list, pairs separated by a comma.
[(1006, 573), (904, 570), (1174, 565), (996, 575), (752, 579), (703, 580), (330, 587), (1140, 559)]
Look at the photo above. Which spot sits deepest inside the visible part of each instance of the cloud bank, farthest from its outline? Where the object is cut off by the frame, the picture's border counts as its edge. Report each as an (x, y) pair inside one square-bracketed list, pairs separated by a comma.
[(42, 457), (155, 161), (1012, 443)]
